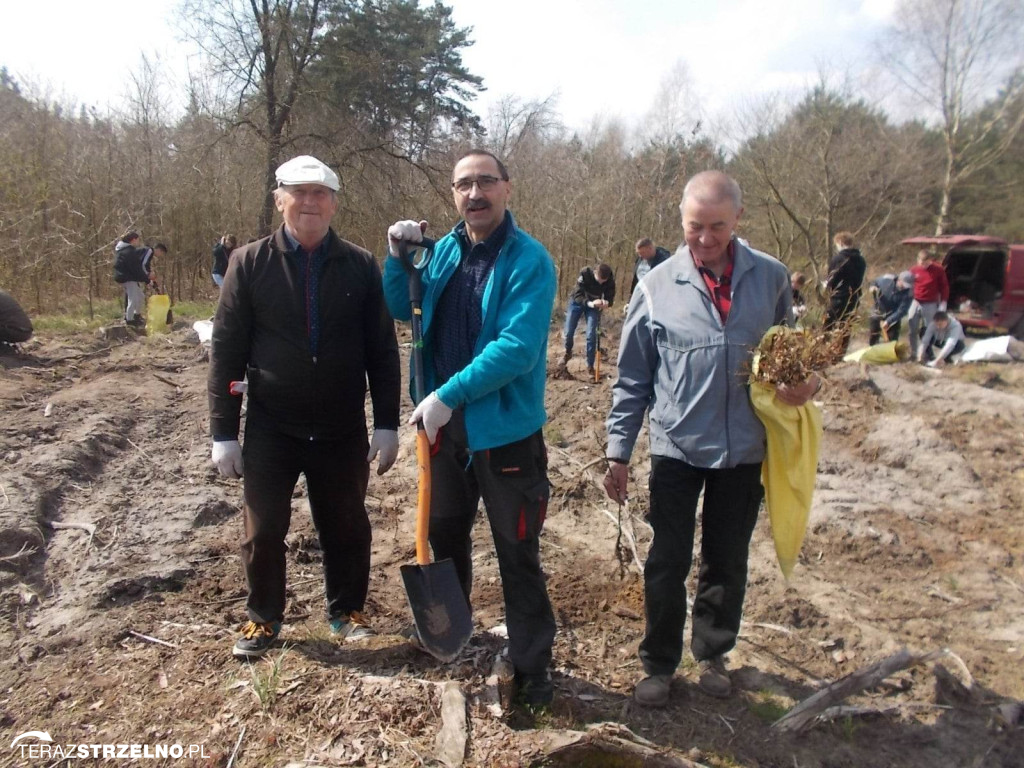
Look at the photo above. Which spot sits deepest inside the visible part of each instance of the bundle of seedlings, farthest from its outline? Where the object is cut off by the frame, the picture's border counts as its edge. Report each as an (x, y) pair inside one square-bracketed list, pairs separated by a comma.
[(790, 355)]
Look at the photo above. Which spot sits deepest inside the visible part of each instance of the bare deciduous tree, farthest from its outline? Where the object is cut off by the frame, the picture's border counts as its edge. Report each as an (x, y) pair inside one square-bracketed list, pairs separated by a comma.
[(261, 50), (952, 55)]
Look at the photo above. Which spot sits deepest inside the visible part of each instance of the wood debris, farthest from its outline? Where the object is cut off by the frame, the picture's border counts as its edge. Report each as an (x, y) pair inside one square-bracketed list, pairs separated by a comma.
[(451, 739)]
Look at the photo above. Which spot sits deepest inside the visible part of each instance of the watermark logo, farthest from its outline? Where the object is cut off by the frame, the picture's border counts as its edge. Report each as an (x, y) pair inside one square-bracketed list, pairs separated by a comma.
[(44, 748), (41, 735)]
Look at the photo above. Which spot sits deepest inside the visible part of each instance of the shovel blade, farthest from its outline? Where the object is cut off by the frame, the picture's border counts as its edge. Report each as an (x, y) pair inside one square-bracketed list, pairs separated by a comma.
[(439, 608)]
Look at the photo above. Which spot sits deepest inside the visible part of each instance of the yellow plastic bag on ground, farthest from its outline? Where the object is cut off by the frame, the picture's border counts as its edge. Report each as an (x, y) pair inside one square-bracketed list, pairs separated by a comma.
[(156, 313), (881, 354), (790, 466)]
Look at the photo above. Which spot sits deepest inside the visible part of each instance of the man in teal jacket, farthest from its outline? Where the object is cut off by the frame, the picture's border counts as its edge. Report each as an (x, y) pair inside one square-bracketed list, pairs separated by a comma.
[(488, 293)]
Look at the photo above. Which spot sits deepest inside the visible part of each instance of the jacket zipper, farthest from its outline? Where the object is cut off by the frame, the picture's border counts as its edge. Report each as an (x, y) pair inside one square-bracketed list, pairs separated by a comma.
[(309, 329)]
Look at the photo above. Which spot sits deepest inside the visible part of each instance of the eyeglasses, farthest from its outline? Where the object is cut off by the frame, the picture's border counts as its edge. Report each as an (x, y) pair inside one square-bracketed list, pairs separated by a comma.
[(465, 186)]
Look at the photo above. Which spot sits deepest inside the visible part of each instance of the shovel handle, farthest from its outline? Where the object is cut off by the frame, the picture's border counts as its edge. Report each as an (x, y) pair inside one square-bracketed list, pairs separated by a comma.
[(413, 270), (423, 498)]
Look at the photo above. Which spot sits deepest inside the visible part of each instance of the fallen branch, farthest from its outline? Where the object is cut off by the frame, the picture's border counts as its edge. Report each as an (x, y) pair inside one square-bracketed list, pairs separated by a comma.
[(498, 681), (149, 639), (234, 752), (451, 739), (87, 527), (765, 625), (810, 708), (25, 551), (166, 381), (566, 454), (844, 711), (80, 355), (1011, 582), (601, 743)]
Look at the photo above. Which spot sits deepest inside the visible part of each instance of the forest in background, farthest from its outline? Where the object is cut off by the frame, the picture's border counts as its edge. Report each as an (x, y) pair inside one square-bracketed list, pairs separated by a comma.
[(378, 90)]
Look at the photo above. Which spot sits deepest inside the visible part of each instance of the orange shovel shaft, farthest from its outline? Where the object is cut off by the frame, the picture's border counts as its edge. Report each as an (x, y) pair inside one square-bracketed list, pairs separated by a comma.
[(423, 499)]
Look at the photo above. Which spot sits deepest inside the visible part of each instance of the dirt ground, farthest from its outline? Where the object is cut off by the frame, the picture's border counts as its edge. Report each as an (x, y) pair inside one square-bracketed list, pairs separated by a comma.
[(916, 541)]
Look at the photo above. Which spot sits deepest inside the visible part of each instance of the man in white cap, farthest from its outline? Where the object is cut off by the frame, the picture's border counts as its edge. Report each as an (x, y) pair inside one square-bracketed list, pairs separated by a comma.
[(302, 315)]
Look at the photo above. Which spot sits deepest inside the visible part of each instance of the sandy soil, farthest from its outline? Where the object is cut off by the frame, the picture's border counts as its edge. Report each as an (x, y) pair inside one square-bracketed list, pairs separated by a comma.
[(916, 541)]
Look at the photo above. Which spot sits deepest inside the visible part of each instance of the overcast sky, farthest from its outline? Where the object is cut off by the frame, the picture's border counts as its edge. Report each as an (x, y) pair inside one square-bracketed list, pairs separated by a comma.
[(603, 58)]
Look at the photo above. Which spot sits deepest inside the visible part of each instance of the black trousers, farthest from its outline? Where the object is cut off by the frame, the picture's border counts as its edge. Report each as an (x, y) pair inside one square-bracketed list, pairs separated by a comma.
[(875, 323), (732, 498), (836, 318), (513, 482), (336, 478)]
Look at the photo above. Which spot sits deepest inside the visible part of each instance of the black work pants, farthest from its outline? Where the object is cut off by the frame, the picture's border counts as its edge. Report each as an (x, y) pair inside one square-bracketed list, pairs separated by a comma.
[(836, 319), (336, 478), (513, 482), (875, 323), (732, 498)]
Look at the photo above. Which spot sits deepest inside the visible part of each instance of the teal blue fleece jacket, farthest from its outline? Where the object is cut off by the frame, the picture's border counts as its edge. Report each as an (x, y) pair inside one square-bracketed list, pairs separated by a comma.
[(502, 389)]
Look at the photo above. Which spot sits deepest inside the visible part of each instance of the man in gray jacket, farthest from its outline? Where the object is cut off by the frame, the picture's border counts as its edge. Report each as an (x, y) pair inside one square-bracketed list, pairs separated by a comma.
[(684, 355)]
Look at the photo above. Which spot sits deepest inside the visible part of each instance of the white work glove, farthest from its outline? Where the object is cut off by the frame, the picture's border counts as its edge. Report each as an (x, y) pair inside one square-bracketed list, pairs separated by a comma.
[(942, 306), (227, 456), (408, 230), (434, 415), (590, 304), (385, 443)]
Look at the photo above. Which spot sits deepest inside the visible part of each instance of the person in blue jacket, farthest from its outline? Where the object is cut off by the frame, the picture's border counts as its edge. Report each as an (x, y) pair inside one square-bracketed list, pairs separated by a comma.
[(488, 294)]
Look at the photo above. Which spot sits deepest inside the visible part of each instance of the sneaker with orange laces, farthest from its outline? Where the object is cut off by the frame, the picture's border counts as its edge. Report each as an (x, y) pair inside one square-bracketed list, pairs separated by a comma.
[(256, 639), (350, 627)]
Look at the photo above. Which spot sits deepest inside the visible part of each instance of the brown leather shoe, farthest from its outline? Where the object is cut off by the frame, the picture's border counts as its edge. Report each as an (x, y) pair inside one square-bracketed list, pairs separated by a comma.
[(714, 677), (653, 691)]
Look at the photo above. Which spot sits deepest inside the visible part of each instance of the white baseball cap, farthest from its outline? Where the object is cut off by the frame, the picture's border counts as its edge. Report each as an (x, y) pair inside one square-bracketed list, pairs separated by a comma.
[(306, 169)]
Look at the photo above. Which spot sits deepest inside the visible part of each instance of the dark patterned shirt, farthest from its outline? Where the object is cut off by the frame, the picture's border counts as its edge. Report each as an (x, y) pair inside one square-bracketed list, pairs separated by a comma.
[(460, 309)]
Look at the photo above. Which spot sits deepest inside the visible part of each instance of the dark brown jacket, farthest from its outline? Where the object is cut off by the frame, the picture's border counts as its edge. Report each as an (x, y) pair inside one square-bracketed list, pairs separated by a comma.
[(261, 330)]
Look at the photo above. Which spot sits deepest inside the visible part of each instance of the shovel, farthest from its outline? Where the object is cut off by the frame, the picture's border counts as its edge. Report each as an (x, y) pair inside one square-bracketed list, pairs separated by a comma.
[(438, 604)]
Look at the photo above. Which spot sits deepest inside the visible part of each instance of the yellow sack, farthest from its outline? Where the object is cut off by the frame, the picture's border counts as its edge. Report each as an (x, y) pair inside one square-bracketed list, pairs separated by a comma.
[(790, 461), (881, 354), (156, 313)]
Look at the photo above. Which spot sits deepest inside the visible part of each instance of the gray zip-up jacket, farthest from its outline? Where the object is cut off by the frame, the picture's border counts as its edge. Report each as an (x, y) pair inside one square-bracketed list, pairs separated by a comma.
[(679, 360)]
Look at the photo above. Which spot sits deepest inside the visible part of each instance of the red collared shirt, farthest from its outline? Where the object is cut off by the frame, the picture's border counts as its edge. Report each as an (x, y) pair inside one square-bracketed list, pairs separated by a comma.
[(720, 288)]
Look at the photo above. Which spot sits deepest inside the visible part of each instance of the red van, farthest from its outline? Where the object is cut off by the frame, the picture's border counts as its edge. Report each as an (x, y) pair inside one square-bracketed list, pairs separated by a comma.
[(986, 280)]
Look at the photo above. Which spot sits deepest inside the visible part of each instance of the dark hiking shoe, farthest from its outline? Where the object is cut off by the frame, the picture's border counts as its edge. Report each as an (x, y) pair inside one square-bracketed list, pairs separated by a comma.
[(534, 692), (714, 677), (256, 639), (567, 356), (590, 372), (351, 627), (653, 691)]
